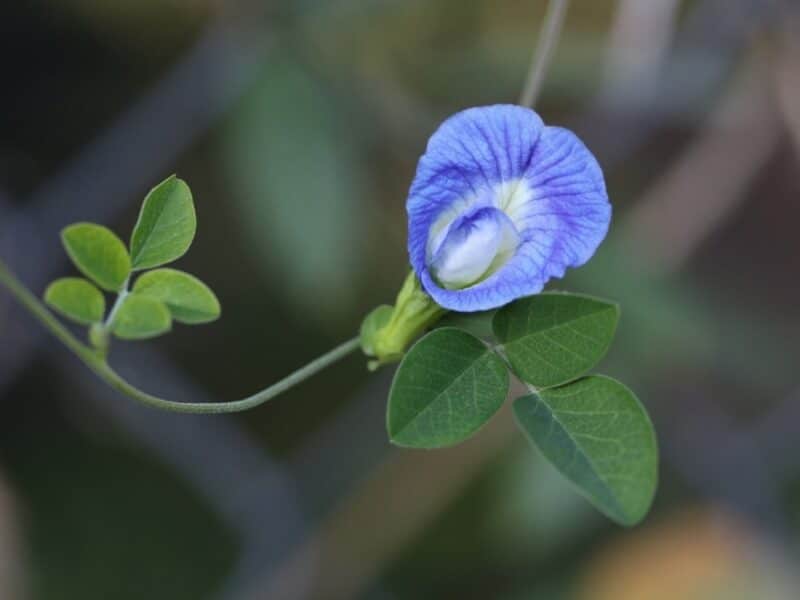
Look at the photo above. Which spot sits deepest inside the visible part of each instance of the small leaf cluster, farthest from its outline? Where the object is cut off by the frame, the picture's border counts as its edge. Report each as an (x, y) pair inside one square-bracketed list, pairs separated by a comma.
[(592, 428), (163, 233)]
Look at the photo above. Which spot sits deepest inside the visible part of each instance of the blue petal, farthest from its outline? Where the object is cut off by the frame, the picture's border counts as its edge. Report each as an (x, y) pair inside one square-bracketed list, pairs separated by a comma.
[(544, 179)]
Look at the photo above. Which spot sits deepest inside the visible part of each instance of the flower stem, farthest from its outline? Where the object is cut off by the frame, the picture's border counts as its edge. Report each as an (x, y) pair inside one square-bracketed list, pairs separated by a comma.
[(99, 365), (315, 366), (545, 48)]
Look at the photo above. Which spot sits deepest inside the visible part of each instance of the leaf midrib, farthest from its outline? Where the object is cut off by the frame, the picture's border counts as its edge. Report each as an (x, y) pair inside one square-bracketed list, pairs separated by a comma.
[(440, 394), (156, 226), (523, 337), (148, 234), (620, 511)]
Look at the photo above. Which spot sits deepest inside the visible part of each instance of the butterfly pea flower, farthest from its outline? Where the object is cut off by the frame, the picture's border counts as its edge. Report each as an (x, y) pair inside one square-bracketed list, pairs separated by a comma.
[(500, 204)]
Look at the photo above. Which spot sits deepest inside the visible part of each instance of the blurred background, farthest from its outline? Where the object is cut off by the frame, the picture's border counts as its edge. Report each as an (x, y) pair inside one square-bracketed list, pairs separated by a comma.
[(298, 125)]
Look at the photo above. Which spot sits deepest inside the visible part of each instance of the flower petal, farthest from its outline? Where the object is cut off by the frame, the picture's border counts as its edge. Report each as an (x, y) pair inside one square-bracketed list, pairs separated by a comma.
[(544, 179)]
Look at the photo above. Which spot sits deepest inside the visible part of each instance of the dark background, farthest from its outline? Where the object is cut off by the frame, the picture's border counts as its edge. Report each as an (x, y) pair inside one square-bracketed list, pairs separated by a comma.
[(298, 126)]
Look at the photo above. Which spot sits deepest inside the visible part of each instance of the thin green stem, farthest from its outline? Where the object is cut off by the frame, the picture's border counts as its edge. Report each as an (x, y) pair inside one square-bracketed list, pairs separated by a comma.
[(44, 316), (545, 48), (315, 366), (112, 314), (97, 362)]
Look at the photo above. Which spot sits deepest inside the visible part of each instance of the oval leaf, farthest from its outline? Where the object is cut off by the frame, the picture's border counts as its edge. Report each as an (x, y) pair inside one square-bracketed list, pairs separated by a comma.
[(166, 225), (478, 324), (140, 318), (599, 436), (76, 299), (187, 298), (553, 338), (448, 385), (98, 253)]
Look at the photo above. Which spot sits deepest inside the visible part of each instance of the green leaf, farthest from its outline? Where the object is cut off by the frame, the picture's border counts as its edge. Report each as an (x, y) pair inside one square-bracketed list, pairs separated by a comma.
[(98, 253), (76, 299), (553, 338), (599, 436), (166, 225), (188, 299), (478, 324), (448, 385), (373, 322), (141, 317)]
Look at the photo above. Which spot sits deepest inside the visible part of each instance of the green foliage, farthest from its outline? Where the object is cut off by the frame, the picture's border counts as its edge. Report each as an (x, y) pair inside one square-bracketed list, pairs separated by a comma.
[(140, 317), (166, 225), (76, 299), (164, 231), (448, 385), (592, 429), (187, 298), (98, 253), (478, 324), (553, 338), (599, 436)]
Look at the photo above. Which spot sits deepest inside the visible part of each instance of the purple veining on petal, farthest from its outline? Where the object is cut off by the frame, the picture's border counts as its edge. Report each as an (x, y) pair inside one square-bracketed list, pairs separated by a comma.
[(543, 178)]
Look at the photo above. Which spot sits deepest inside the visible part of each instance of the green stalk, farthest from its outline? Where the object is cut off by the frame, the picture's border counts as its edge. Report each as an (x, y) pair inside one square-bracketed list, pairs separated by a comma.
[(97, 362)]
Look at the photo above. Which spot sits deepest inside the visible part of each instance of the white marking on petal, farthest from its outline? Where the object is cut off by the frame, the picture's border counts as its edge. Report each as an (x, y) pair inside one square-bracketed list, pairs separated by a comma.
[(474, 246), (442, 224), (514, 198)]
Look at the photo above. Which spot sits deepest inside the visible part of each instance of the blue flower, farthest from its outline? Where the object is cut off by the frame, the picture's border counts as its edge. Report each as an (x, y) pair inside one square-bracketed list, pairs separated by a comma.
[(500, 204)]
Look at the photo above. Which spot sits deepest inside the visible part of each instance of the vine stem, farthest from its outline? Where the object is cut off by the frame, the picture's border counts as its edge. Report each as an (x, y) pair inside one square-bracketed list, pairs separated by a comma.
[(543, 53), (99, 365)]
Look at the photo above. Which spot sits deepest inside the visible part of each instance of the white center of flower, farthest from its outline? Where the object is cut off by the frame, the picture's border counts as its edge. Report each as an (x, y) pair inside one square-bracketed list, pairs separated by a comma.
[(513, 198), (477, 235), (474, 246)]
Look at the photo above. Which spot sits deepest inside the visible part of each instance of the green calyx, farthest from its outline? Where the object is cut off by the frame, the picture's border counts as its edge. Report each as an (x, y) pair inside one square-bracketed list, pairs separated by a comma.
[(387, 331)]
